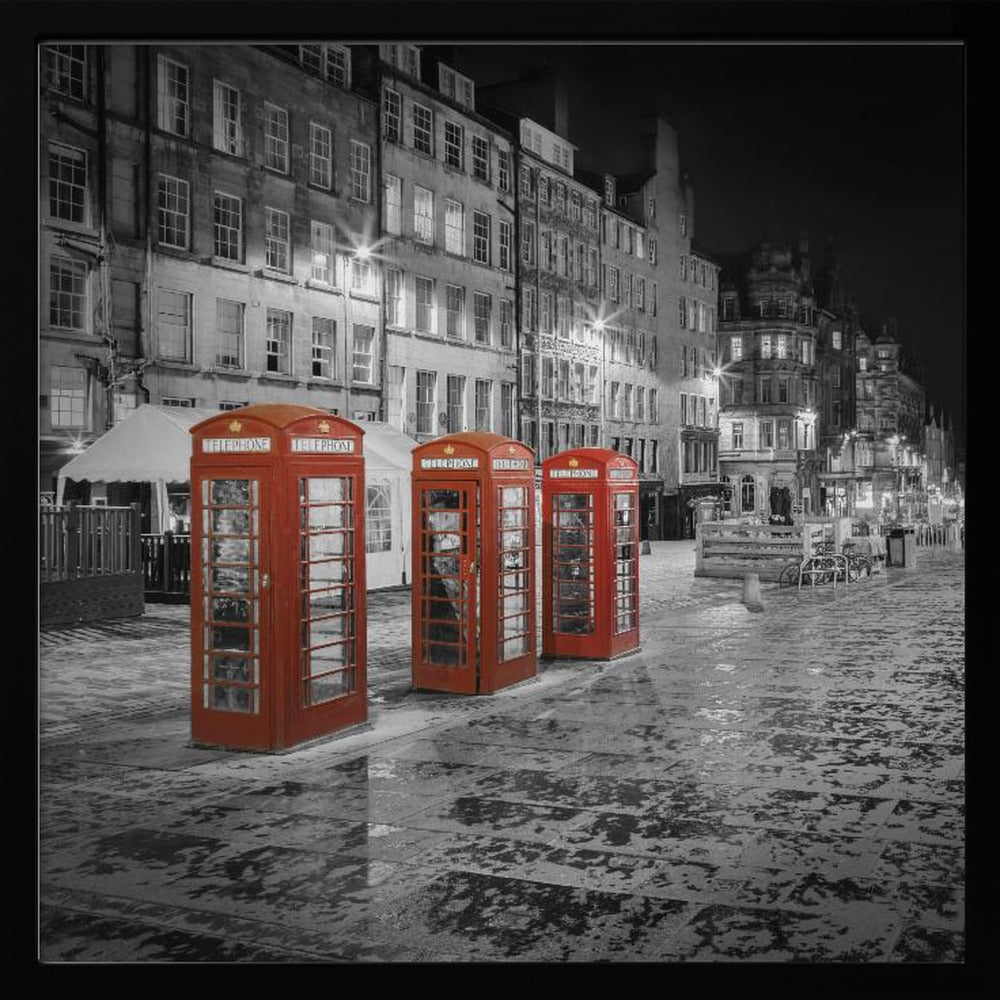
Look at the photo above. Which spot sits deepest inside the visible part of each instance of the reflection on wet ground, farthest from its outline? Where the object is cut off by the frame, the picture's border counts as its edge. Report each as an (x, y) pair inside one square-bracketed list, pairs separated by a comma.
[(786, 786)]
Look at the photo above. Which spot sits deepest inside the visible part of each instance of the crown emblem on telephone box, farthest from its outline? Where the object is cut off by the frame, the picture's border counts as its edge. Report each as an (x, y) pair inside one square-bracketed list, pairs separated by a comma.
[(449, 450), (235, 426)]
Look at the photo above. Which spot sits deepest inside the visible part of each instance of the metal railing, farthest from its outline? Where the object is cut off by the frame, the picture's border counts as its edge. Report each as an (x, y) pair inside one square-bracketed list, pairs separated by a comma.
[(77, 541)]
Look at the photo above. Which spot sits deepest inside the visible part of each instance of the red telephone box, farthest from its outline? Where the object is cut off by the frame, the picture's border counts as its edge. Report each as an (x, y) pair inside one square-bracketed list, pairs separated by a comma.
[(278, 652), (473, 594), (590, 548)]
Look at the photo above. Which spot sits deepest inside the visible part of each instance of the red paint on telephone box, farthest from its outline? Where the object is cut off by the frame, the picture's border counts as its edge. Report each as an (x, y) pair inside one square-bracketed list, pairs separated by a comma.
[(473, 596), (590, 550), (278, 616)]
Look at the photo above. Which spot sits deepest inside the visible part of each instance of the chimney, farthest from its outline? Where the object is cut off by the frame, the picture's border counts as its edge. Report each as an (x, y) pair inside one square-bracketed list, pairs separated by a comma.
[(560, 109)]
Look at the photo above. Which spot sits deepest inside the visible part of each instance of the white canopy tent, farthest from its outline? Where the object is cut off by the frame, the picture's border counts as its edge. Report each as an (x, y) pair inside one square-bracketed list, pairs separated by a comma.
[(153, 445)]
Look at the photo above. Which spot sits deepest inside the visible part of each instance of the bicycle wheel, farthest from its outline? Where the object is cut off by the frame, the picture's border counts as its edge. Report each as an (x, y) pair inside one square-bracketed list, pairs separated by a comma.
[(789, 575)]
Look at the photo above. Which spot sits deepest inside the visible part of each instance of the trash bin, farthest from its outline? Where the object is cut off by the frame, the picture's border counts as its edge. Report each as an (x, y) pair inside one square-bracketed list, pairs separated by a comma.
[(902, 547)]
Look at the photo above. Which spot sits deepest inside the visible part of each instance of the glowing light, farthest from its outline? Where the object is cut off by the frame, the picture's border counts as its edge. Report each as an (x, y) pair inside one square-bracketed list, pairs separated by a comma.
[(363, 253)]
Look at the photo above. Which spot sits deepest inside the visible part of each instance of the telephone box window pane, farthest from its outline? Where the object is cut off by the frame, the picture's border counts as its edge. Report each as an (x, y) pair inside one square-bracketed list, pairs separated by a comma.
[(572, 564), (515, 604), (229, 609), (229, 557), (232, 668), (625, 564), (445, 594)]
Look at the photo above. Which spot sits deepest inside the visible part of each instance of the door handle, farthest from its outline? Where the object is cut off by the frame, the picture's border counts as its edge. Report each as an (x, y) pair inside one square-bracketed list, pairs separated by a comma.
[(265, 581)]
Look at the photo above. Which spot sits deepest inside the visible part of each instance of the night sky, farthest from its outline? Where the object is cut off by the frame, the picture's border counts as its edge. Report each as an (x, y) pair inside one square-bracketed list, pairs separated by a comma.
[(858, 143)]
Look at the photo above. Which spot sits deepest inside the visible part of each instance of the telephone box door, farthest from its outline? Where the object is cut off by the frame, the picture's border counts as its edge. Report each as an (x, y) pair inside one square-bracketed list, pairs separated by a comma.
[(231, 604), (446, 595)]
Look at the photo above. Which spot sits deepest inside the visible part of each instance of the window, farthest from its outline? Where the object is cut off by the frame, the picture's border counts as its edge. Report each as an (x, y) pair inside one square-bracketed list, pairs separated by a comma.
[(173, 211), (613, 284), (482, 311), (654, 411), (322, 253), (426, 389), (228, 216), (591, 267), (526, 191), (764, 392), (423, 129), (578, 254), (528, 243), (276, 240), (185, 402), (862, 364), (737, 430), (548, 377), (320, 156), (67, 183), (507, 409), (171, 96), (275, 138), (324, 338), (393, 190), (392, 107), (575, 206), (736, 391), (229, 319), (394, 297), (683, 225), (362, 276), (481, 158), (562, 380), (455, 311), (765, 345), (378, 516), (562, 256), (616, 400), (806, 352), (783, 389), (481, 237), (528, 309), (68, 396), (579, 382), (454, 145), (543, 189), (682, 312), (767, 434), (627, 290), (548, 258), (278, 346), (424, 298), (67, 293), (454, 227), (835, 339), (361, 171), (456, 86), (783, 434), (609, 190), (735, 348), (227, 119), (338, 65), (684, 409), (545, 312), (405, 58), (173, 325), (456, 403), (506, 322), (505, 238), (527, 375), (503, 169), (561, 197), (66, 69), (627, 401), (423, 215), (484, 404), (562, 317), (837, 412), (363, 360)]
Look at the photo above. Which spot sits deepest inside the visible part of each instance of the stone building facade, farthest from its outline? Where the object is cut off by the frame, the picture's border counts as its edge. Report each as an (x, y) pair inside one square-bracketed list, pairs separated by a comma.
[(206, 216), (770, 384), (447, 250)]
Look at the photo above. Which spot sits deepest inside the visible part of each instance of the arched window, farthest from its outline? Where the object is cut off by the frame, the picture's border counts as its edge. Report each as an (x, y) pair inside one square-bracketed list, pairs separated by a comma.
[(746, 495)]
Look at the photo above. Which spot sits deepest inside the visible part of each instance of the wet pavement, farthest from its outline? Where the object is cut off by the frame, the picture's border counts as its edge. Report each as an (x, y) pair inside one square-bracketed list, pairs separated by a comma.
[(781, 786)]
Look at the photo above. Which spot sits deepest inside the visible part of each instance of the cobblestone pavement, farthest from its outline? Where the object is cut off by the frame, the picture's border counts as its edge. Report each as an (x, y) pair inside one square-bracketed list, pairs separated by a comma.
[(779, 786)]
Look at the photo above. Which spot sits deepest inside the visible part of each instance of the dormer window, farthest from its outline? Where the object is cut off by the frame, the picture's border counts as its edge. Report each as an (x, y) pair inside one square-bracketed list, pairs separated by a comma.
[(609, 190), (405, 58), (456, 86)]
